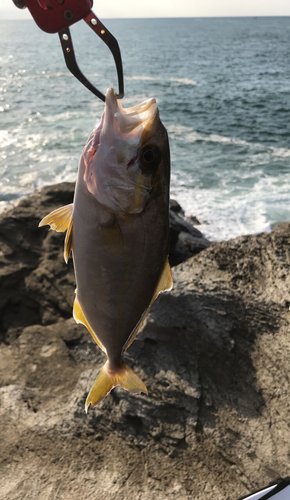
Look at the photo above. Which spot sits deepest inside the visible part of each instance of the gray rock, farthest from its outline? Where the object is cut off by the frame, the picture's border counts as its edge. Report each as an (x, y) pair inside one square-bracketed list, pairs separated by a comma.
[(179, 223), (187, 246), (175, 207), (214, 354), (185, 239)]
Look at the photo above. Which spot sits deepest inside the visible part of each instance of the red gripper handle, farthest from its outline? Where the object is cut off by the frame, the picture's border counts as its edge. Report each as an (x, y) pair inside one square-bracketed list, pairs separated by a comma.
[(54, 15)]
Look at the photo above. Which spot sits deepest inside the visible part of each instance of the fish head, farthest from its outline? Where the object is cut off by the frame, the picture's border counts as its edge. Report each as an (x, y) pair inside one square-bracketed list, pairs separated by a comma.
[(127, 156)]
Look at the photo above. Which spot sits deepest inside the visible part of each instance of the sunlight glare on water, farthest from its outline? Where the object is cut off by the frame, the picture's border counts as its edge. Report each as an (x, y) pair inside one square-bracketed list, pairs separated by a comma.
[(222, 88)]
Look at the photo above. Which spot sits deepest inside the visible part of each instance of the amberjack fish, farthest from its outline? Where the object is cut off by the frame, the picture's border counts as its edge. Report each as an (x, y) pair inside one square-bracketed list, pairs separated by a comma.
[(118, 231)]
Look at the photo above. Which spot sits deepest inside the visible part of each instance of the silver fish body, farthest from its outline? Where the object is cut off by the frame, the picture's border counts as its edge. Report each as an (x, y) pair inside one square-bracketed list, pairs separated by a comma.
[(118, 231)]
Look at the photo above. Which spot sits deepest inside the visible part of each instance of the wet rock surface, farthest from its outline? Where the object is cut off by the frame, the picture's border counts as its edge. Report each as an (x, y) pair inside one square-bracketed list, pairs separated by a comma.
[(214, 354)]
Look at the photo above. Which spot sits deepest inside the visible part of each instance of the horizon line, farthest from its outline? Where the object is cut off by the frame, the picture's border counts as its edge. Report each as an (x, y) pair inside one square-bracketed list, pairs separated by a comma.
[(173, 17)]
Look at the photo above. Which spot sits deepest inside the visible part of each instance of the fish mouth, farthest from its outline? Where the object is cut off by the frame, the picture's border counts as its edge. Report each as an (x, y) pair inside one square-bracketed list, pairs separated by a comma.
[(118, 122), (112, 164), (130, 121)]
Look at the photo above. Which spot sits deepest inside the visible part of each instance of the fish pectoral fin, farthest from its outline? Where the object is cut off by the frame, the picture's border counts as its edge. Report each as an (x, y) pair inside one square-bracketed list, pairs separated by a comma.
[(59, 219), (68, 241), (164, 284), (79, 317), (107, 380)]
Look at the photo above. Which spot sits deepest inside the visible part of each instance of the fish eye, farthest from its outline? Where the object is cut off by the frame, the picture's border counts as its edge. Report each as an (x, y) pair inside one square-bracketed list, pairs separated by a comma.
[(150, 157)]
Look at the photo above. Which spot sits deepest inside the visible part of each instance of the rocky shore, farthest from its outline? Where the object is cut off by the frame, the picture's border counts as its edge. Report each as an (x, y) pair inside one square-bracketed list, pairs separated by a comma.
[(214, 354)]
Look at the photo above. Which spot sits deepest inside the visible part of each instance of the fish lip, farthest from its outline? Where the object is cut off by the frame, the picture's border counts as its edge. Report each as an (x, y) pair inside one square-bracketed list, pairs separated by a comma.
[(111, 104), (129, 121)]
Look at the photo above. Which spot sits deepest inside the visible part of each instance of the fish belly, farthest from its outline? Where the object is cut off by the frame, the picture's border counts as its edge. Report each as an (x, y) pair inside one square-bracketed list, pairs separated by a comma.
[(118, 260)]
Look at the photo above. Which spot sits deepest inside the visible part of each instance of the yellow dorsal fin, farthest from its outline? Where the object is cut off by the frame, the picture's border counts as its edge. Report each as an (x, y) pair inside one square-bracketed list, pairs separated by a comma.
[(79, 317), (68, 241), (59, 219), (164, 284)]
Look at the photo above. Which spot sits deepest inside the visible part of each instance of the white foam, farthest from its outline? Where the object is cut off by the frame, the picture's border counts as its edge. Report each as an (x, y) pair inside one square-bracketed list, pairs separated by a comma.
[(245, 199), (68, 174), (281, 152), (182, 81), (225, 213), (226, 140), (190, 135), (141, 77), (28, 179), (3, 138)]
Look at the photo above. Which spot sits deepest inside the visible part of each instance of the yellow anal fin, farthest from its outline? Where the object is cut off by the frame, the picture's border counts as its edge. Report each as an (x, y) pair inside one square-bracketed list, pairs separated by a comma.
[(136, 330), (164, 284), (79, 317), (107, 380), (59, 219)]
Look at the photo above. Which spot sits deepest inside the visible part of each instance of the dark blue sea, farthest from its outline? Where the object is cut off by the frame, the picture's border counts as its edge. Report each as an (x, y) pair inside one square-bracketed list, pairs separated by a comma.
[(223, 91)]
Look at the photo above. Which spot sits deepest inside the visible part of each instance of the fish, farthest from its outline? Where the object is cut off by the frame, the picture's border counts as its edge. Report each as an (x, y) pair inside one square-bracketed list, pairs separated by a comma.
[(117, 229)]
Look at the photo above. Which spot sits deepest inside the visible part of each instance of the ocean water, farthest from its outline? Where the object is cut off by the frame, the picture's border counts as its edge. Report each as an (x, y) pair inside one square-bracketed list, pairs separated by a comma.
[(223, 91)]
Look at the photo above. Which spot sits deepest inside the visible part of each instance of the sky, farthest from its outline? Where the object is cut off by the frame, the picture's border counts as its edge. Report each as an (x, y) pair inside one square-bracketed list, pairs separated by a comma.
[(170, 8)]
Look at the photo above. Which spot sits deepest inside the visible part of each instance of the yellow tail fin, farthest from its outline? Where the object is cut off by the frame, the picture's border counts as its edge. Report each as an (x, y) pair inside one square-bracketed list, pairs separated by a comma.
[(107, 380)]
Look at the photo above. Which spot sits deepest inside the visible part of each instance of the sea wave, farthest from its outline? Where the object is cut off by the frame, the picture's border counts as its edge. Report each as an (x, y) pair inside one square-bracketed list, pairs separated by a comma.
[(189, 135), (140, 77), (227, 118), (183, 81), (225, 212), (281, 152)]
